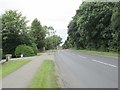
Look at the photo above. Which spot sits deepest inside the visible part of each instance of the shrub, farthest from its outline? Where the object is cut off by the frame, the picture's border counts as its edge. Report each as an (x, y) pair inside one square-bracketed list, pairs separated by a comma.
[(35, 49), (0, 53), (25, 50)]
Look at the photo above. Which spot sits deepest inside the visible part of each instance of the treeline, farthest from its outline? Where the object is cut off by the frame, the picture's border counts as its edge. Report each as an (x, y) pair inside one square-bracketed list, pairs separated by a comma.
[(18, 38), (96, 26)]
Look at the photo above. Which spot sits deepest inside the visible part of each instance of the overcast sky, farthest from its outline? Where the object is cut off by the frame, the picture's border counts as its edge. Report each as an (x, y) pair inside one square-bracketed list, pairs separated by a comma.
[(56, 13)]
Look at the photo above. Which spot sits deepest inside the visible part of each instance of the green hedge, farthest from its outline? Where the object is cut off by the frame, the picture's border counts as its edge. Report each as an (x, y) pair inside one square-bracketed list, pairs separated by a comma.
[(35, 49), (25, 50), (0, 53)]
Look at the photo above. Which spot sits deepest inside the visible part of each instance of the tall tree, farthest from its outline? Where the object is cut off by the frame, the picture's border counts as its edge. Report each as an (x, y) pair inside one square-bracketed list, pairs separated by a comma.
[(53, 42), (115, 23), (14, 31), (38, 33), (95, 26), (0, 37)]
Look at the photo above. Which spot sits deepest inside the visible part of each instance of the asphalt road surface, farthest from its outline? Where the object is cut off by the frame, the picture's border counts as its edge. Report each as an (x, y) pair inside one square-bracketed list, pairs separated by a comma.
[(83, 70)]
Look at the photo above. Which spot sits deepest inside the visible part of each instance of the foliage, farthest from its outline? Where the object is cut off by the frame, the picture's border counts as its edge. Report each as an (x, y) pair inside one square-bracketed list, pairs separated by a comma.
[(38, 33), (94, 27), (115, 22), (0, 37), (53, 42), (0, 53), (68, 43), (25, 50), (14, 31), (34, 48)]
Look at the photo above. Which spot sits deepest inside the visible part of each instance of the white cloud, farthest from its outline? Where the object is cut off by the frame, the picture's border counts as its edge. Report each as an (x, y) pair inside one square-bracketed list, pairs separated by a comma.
[(56, 13)]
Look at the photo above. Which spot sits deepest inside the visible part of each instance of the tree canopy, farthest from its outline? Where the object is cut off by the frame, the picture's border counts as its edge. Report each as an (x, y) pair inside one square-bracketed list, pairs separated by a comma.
[(38, 33), (53, 42), (95, 26), (14, 31)]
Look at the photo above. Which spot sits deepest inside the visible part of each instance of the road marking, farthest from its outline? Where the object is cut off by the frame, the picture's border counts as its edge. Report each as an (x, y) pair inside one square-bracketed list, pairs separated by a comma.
[(104, 63)]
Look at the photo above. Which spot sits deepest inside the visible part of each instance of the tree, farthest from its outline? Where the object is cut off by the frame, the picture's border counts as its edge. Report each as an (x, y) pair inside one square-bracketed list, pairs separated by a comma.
[(38, 33), (115, 23), (14, 31), (0, 32), (95, 26), (51, 31), (53, 42)]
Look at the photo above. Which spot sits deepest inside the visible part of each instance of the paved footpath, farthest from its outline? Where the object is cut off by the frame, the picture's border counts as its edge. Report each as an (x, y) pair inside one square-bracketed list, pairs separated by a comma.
[(22, 77)]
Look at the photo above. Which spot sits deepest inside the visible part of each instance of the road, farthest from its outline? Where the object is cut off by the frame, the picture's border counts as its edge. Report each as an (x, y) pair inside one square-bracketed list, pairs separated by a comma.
[(83, 70)]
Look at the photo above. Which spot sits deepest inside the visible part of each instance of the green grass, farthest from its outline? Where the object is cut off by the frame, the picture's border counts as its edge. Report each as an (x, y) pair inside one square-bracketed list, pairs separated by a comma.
[(10, 66), (45, 76), (99, 52)]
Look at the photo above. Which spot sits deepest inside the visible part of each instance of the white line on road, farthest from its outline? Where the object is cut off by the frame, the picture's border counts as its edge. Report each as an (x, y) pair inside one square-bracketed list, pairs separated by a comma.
[(104, 63)]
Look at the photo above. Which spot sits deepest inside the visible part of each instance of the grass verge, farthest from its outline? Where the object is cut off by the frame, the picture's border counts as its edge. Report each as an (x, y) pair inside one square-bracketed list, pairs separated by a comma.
[(10, 66), (45, 76), (99, 52)]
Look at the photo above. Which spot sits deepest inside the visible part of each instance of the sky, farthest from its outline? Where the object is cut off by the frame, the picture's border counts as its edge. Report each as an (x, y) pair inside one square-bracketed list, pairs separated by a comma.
[(56, 13)]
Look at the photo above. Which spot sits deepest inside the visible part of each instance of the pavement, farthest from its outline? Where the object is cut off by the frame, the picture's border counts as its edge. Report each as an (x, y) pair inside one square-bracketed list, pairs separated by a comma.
[(22, 77), (83, 70)]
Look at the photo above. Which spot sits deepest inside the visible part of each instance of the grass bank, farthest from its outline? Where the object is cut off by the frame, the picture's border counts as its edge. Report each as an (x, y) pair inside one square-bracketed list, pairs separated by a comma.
[(113, 54), (10, 66), (45, 76)]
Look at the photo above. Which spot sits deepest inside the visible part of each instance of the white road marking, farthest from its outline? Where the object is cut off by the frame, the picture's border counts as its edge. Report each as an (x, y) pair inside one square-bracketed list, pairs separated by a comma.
[(104, 63)]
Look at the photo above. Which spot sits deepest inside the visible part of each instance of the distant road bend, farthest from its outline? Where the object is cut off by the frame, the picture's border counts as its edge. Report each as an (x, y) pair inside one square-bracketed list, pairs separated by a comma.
[(83, 70)]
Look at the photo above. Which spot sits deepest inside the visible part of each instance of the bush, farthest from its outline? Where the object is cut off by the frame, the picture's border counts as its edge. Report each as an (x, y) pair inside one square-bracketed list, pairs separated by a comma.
[(35, 49), (25, 50), (0, 53)]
